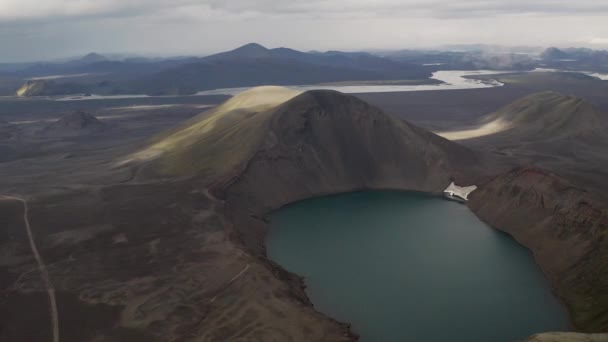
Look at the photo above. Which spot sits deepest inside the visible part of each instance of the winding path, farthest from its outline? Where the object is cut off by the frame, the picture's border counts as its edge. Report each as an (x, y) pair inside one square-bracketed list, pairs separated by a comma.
[(238, 275), (41, 266), (230, 282)]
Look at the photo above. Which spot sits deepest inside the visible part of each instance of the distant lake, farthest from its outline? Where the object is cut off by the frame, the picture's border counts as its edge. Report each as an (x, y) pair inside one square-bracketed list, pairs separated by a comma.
[(454, 79), (411, 267)]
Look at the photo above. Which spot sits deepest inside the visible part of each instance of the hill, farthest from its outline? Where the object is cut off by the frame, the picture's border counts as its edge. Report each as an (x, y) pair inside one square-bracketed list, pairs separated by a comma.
[(540, 117), (43, 87), (78, 122), (550, 116), (32, 88), (563, 134), (589, 56), (554, 53), (575, 59), (91, 58)]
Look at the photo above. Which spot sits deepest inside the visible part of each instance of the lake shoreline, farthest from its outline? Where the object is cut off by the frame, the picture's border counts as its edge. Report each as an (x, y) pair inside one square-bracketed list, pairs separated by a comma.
[(262, 225), (415, 196)]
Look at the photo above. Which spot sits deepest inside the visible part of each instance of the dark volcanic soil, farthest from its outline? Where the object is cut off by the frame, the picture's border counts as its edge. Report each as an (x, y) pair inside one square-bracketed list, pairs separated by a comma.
[(182, 258)]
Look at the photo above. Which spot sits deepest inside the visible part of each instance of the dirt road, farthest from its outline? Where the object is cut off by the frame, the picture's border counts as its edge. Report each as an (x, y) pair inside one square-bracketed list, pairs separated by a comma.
[(41, 266)]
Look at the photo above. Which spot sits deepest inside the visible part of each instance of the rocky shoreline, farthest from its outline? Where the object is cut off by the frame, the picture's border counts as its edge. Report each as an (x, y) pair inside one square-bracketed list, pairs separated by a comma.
[(564, 227), (479, 204)]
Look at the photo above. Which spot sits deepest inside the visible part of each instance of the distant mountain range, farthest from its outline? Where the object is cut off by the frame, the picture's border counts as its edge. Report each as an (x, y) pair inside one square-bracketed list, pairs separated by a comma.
[(246, 66), (255, 65), (94, 63), (576, 55)]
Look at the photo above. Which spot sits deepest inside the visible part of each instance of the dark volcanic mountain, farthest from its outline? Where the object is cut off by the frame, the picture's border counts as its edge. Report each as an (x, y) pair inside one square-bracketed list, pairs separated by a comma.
[(356, 60), (251, 50), (333, 143), (308, 131)]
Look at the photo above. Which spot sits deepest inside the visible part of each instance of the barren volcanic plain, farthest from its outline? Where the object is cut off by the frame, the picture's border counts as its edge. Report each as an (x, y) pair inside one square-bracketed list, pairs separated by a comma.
[(144, 219)]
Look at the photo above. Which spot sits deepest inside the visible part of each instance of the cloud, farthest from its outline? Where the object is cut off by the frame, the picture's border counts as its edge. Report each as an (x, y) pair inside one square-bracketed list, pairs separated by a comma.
[(16, 10), (599, 41), (42, 29), (415, 7)]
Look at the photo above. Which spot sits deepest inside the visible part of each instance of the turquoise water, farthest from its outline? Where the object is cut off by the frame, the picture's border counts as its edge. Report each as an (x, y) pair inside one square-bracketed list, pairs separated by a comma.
[(411, 267)]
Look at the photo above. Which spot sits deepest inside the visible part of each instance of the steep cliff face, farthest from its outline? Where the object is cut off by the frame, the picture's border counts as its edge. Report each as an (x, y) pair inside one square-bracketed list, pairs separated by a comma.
[(565, 228)]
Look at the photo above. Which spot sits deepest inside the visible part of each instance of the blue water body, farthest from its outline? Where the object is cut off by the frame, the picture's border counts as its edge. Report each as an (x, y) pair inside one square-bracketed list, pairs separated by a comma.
[(412, 267)]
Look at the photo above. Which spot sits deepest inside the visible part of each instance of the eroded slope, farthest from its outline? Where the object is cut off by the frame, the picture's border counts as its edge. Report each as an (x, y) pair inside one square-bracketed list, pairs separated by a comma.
[(565, 227)]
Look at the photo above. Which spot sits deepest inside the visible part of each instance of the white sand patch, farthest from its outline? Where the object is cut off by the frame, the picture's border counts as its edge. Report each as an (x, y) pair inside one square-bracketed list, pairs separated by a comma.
[(143, 107), (460, 191), (56, 77), (141, 156), (79, 235), (151, 107), (545, 70), (603, 77), (120, 238), (99, 97), (28, 122), (493, 127)]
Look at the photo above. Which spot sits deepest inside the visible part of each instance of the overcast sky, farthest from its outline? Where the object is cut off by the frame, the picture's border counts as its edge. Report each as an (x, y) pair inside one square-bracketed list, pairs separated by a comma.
[(43, 29)]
